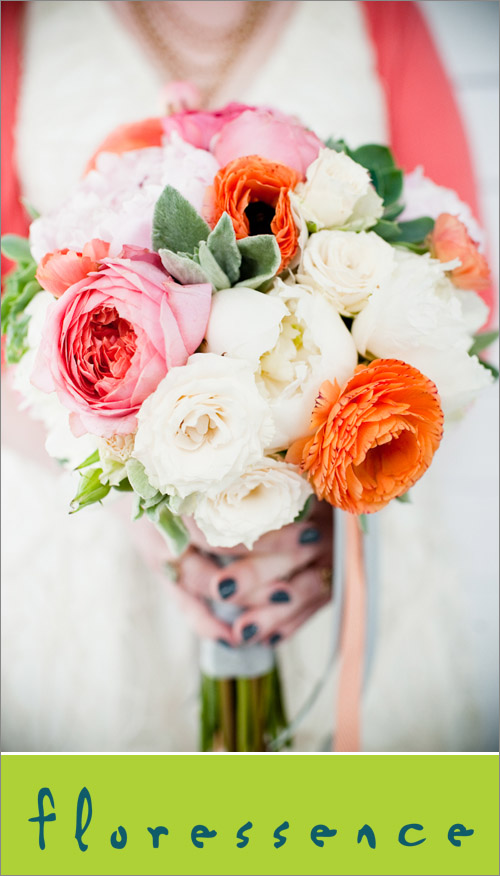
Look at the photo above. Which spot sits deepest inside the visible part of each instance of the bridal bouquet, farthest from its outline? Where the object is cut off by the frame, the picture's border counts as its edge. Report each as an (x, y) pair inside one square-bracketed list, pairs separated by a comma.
[(228, 316)]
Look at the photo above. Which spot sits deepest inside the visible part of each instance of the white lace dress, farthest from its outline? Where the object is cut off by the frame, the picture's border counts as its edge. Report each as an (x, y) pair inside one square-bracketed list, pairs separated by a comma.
[(95, 655)]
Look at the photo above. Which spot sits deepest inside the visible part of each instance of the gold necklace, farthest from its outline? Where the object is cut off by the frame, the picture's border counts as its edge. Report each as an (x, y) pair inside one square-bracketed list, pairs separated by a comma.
[(179, 29)]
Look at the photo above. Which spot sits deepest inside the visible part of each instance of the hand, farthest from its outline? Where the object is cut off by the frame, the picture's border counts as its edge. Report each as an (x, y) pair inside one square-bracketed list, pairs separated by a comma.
[(279, 584)]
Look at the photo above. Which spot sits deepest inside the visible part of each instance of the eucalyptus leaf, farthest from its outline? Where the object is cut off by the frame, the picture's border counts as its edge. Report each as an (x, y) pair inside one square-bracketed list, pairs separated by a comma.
[(90, 490), (222, 245), (216, 276), (387, 230), (392, 211), (16, 248), (176, 224), (338, 145), (405, 498), (139, 479), (490, 367), (261, 259), (305, 510), (182, 268), (481, 341)]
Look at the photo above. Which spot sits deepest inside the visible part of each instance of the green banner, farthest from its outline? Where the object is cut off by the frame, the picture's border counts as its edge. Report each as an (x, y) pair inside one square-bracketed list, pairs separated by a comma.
[(250, 814)]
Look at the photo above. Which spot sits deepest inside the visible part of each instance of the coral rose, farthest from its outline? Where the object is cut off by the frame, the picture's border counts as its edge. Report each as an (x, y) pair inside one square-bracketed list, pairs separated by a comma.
[(450, 240), (254, 192), (63, 268), (112, 337), (373, 439)]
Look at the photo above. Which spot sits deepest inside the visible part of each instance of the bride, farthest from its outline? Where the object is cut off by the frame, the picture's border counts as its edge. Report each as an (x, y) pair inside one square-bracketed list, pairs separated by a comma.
[(97, 656)]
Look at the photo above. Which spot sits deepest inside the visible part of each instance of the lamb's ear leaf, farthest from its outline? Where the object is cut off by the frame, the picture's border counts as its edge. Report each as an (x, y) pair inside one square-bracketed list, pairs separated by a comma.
[(139, 479), (170, 525), (183, 268), (216, 276), (176, 224), (261, 259), (222, 244)]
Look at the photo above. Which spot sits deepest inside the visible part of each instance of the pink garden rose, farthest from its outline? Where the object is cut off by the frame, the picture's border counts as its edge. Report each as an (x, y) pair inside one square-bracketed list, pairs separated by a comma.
[(269, 134), (237, 130), (63, 268), (198, 127), (111, 338)]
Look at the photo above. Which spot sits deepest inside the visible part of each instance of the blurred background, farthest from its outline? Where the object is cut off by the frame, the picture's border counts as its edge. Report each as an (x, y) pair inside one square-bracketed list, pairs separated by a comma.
[(95, 657)]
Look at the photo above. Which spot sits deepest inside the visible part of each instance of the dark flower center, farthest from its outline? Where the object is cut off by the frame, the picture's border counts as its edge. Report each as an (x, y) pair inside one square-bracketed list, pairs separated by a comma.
[(259, 215)]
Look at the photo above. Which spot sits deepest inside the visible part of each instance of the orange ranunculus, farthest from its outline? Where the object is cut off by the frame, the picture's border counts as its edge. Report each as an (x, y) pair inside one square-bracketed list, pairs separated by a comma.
[(137, 135), (63, 268), (449, 240), (372, 439), (254, 192)]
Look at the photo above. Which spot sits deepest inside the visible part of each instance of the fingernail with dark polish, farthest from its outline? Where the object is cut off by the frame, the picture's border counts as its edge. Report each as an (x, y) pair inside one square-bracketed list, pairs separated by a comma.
[(280, 596), (249, 631), (275, 638), (227, 587), (310, 536), (223, 642)]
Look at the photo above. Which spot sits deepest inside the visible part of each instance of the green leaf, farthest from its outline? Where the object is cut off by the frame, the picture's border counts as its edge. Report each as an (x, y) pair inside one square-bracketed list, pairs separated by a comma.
[(363, 523), (124, 486), (91, 460), (216, 276), (481, 341), (312, 227), (182, 268), (171, 527), (305, 510), (30, 209), (222, 244), (374, 157), (393, 211), (30, 290), (16, 248), (261, 259), (416, 230), (490, 367), (16, 335), (176, 224), (338, 145), (388, 184), (387, 230), (139, 479), (90, 490), (405, 498)]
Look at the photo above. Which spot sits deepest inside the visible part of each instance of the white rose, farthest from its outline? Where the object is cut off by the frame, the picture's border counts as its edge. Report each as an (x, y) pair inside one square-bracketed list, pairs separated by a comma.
[(293, 338), (337, 193), (347, 266), (205, 422), (418, 317), (266, 497)]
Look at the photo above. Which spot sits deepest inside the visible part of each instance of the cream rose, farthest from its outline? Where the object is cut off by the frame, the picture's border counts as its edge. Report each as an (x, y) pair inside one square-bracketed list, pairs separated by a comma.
[(293, 338), (266, 497), (347, 266), (337, 193), (419, 317), (205, 422)]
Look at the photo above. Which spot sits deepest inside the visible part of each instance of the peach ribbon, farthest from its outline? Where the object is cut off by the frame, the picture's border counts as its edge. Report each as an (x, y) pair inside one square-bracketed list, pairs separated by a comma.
[(352, 641)]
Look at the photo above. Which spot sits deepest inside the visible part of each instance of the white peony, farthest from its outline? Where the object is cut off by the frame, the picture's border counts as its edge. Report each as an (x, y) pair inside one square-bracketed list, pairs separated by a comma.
[(417, 316), (266, 497), (347, 266), (60, 443), (206, 422), (337, 193), (293, 338), (116, 201), (423, 197)]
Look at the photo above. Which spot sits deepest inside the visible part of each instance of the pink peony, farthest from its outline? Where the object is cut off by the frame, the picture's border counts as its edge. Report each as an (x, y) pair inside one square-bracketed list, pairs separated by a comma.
[(63, 268), (199, 127), (112, 337), (269, 134)]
